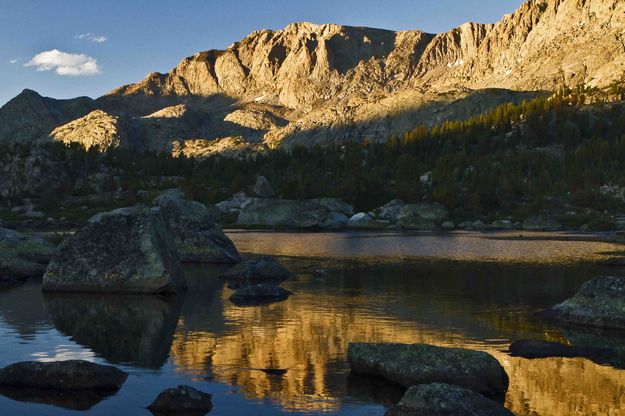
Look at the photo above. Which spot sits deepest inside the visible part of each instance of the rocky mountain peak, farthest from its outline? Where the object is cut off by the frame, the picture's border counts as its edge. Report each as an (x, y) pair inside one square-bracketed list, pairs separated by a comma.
[(310, 84)]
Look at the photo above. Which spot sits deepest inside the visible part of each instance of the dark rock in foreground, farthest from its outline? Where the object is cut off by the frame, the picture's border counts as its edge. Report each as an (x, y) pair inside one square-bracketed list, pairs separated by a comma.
[(126, 250), (257, 270), (445, 400), (408, 365), (182, 400), (63, 375), (600, 302), (259, 295), (23, 256), (198, 238)]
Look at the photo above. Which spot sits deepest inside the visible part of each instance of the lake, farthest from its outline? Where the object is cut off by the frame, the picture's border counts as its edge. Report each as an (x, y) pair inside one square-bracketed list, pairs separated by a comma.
[(469, 290)]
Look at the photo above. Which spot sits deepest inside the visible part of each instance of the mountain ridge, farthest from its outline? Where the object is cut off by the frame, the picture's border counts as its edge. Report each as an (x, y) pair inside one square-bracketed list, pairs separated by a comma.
[(310, 84)]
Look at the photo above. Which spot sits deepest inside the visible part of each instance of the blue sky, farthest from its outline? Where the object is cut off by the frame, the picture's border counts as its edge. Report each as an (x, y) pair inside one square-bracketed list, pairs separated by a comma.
[(69, 48)]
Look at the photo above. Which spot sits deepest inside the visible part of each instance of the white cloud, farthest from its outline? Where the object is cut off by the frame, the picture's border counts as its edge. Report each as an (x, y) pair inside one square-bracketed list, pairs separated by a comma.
[(13, 61), (70, 64), (92, 37)]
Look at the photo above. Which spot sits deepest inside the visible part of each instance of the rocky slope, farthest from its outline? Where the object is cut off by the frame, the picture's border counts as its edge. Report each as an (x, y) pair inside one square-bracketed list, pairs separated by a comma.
[(329, 84)]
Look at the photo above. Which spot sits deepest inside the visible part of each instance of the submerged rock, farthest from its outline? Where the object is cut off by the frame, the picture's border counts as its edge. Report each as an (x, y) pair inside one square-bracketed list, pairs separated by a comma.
[(600, 302), (259, 295), (439, 399), (257, 270), (532, 349), (198, 238), (408, 365), (182, 400), (126, 250), (22, 255), (63, 375)]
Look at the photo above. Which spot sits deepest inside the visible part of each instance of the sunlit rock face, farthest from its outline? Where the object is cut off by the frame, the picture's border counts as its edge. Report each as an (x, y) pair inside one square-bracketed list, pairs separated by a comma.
[(122, 329), (310, 84)]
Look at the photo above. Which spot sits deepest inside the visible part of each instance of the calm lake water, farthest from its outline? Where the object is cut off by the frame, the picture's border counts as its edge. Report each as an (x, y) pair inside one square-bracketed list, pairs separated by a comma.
[(476, 291)]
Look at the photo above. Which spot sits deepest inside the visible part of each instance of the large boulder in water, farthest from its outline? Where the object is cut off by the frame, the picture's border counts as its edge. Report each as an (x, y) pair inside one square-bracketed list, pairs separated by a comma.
[(22, 255), (62, 375), (600, 302), (182, 400), (127, 250), (438, 399), (408, 365), (198, 238), (256, 270)]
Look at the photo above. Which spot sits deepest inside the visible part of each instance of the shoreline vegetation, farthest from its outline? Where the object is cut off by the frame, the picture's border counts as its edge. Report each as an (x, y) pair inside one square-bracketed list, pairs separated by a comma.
[(560, 156)]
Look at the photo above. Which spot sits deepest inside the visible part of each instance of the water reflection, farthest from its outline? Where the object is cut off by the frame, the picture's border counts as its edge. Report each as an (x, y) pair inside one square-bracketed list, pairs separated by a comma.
[(510, 246), (72, 400), (479, 306), (364, 296), (122, 329)]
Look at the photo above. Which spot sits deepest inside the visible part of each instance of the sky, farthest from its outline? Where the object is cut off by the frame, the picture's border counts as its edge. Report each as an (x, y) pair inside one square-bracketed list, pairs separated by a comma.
[(71, 48)]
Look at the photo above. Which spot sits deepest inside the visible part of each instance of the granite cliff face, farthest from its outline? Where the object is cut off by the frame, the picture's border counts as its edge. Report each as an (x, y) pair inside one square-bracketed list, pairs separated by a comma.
[(328, 84)]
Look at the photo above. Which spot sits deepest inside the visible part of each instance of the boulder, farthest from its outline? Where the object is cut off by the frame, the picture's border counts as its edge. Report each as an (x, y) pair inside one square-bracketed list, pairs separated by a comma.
[(182, 400), (197, 236), (502, 225), (283, 213), (62, 375), (238, 201), (335, 221), (22, 255), (542, 223), (391, 210), (408, 365), (259, 295), (335, 205), (415, 222), (263, 188), (126, 250), (438, 399), (432, 211), (448, 225), (364, 221), (257, 270), (600, 302)]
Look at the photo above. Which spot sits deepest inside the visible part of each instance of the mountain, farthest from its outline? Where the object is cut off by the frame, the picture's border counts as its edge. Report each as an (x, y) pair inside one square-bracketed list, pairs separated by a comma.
[(329, 84)]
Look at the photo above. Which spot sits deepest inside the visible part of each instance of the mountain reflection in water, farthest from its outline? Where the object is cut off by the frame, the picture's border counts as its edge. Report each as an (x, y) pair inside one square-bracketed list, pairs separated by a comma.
[(222, 349)]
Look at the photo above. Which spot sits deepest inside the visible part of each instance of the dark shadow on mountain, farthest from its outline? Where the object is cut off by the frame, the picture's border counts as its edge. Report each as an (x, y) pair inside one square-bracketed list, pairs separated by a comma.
[(120, 328), (80, 400)]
